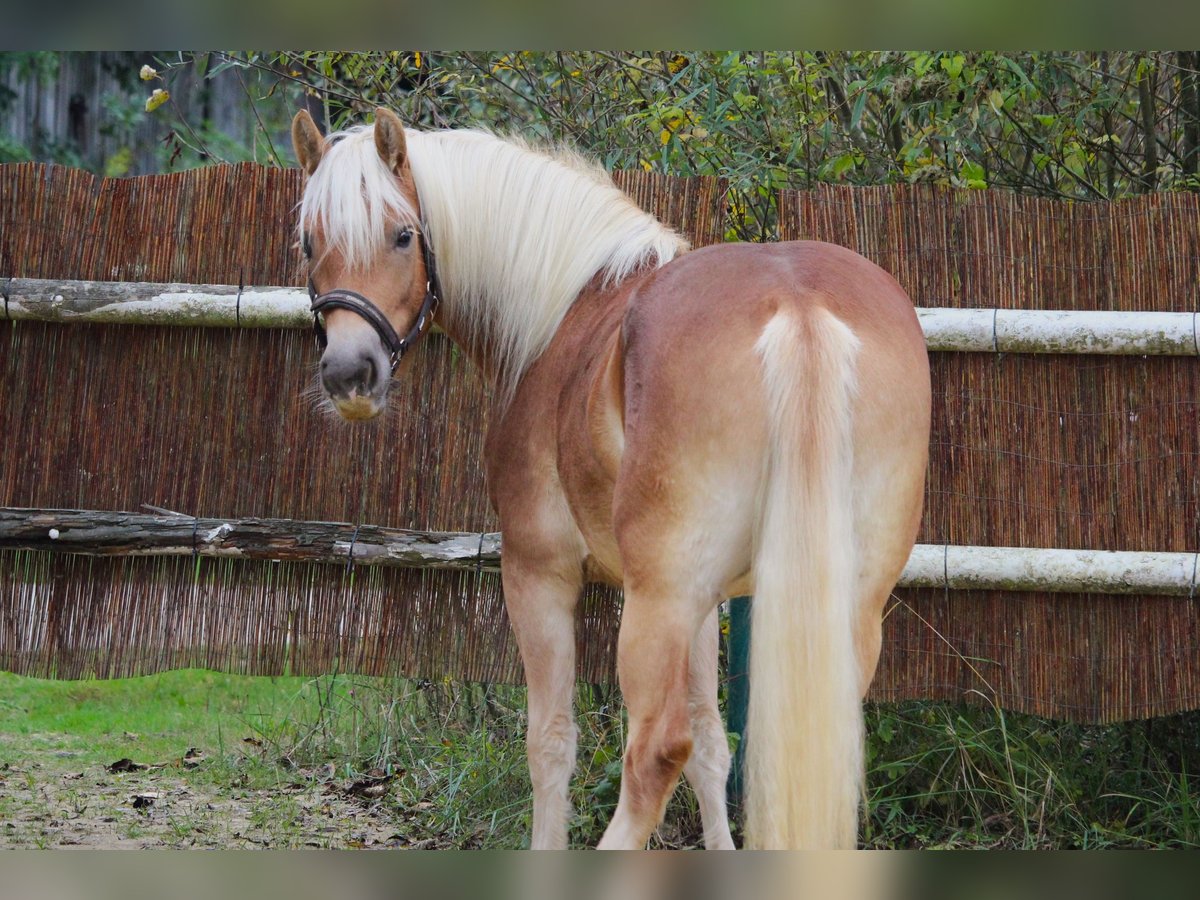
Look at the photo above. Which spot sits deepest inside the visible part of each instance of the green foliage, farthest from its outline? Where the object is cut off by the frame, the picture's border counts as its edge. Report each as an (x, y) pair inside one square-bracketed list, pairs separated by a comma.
[(37, 63), (121, 114), (269, 93), (1051, 123), (14, 151), (1084, 125), (189, 137)]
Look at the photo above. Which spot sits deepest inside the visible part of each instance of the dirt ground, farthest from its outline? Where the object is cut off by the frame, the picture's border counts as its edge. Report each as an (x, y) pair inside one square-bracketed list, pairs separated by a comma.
[(51, 800)]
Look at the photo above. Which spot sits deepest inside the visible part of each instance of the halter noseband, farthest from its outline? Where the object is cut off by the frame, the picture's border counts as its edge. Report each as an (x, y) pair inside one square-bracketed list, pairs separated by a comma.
[(397, 346)]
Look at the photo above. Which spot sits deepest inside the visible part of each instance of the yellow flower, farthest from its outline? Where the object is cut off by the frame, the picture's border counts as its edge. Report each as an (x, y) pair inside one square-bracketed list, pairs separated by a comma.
[(147, 73), (417, 59), (157, 99)]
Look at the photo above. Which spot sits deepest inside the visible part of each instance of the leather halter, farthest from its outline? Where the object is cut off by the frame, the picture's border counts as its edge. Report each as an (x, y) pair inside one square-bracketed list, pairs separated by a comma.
[(340, 298)]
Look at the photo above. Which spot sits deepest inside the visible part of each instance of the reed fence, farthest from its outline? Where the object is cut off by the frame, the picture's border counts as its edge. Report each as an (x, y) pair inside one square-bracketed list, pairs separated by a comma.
[(1089, 449), (1069, 451), (220, 423)]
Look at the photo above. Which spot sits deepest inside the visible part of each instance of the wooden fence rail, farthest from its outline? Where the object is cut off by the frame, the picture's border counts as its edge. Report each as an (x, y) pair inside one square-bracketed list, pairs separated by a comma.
[(946, 328), (106, 533)]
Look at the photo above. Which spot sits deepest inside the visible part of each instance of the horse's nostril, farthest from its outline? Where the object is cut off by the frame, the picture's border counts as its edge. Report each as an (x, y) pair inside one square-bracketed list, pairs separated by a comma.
[(344, 376)]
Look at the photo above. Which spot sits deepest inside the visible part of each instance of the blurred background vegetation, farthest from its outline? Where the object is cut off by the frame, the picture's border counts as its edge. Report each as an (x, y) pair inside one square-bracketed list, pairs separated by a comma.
[(1081, 125)]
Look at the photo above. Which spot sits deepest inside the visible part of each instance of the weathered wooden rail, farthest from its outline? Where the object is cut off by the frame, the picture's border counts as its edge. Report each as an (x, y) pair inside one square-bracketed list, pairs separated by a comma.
[(144, 303), (104, 533), (946, 329)]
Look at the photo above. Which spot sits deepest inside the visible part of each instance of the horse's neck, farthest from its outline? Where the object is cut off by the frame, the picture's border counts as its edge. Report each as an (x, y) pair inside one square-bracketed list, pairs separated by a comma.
[(485, 329), (572, 358), (523, 244)]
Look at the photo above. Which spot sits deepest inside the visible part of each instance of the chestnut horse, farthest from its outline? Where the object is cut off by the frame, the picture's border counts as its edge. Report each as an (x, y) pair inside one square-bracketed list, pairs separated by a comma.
[(688, 426)]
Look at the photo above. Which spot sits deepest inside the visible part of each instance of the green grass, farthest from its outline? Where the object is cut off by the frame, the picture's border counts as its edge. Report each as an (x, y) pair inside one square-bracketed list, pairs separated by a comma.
[(168, 712), (454, 754), (959, 776), (281, 750)]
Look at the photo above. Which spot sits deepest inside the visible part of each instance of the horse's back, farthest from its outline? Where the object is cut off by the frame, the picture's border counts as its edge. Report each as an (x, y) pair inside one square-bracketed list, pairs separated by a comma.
[(690, 331), (734, 286)]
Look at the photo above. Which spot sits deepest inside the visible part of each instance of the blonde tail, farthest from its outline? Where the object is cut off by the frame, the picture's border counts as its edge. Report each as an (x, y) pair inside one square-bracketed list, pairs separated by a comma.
[(804, 731)]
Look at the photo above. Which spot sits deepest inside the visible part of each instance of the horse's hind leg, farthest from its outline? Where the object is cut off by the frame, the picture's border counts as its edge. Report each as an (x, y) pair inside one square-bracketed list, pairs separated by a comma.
[(707, 770), (541, 607), (658, 625)]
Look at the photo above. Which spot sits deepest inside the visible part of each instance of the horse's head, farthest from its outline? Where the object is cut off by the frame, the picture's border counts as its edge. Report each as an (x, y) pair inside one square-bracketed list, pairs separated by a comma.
[(370, 267)]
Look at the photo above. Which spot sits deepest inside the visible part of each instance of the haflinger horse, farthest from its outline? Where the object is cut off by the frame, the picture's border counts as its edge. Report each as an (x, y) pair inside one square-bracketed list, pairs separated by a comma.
[(687, 425)]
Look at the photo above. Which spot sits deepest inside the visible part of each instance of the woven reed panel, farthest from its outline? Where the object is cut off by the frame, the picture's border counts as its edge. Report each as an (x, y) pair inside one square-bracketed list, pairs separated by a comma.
[(225, 224), (1043, 451), (69, 616), (224, 422), (996, 249)]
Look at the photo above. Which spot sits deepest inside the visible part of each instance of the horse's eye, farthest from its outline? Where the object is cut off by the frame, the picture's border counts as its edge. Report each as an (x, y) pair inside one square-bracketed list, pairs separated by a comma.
[(306, 244), (404, 238)]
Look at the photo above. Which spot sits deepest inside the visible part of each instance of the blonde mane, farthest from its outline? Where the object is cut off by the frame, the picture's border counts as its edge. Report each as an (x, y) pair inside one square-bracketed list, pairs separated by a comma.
[(518, 233)]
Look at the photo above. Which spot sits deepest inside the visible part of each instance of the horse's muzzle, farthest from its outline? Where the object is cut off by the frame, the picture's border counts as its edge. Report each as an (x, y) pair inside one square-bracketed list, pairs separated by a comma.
[(355, 383)]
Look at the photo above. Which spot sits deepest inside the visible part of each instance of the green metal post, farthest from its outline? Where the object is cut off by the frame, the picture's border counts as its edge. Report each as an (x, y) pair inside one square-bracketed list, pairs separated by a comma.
[(738, 696)]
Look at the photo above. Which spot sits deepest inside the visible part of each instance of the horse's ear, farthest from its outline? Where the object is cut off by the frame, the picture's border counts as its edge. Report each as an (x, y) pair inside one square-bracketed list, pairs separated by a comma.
[(389, 139), (307, 141)]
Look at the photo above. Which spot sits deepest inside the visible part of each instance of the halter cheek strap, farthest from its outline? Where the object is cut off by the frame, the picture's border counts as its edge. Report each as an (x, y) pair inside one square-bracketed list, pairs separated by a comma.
[(397, 346)]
